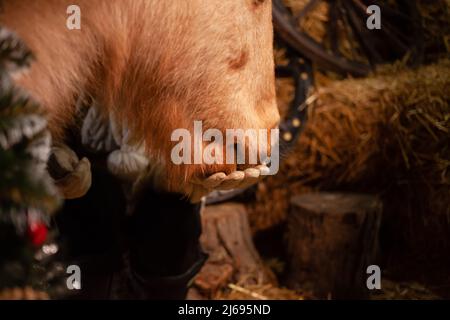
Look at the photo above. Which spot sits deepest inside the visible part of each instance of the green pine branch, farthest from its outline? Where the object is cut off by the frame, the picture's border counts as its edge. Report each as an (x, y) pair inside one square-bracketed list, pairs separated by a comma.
[(24, 139)]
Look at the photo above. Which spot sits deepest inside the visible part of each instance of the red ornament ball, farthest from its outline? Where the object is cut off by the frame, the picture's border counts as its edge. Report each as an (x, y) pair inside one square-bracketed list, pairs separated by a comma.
[(37, 232)]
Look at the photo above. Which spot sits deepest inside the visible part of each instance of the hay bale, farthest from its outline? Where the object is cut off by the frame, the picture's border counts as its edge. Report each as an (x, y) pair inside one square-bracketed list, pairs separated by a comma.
[(435, 21), (377, 134)]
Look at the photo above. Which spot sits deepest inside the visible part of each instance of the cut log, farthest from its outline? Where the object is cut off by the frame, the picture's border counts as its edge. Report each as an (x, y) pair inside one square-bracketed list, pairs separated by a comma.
[(232, 258), (332, 238)]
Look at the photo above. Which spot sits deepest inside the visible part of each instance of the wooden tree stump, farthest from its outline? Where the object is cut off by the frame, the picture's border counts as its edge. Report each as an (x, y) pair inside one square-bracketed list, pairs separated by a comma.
[(332, 239), (233, 258)]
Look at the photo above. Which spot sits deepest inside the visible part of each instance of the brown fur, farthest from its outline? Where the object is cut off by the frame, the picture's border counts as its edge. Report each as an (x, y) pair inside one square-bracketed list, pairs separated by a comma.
[(158, 65)]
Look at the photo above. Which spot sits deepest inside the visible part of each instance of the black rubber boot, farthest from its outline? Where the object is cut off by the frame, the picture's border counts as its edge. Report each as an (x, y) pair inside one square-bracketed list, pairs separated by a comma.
[(91, 235), (152, 254), (164, 249)]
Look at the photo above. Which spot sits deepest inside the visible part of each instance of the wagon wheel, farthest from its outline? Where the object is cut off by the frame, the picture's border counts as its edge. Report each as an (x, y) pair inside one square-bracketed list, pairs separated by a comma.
[(344, 27)]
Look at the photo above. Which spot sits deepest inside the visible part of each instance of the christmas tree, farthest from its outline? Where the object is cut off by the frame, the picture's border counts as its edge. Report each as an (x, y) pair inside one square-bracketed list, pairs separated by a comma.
[(27, 194)]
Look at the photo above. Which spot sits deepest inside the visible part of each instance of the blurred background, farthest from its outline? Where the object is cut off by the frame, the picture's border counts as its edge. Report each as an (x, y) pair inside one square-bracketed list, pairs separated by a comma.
[(364, 179)]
